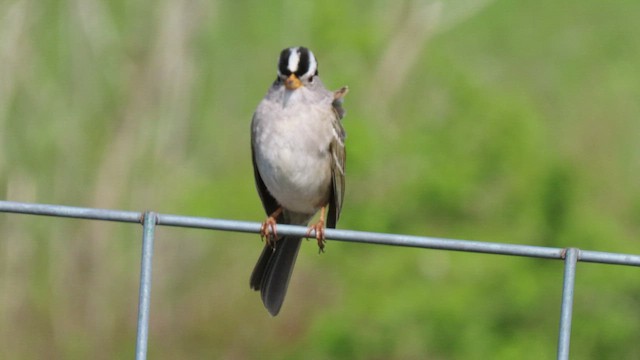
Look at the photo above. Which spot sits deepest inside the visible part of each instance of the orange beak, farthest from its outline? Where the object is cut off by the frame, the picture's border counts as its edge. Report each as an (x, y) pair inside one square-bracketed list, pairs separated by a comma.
[(292, 82)]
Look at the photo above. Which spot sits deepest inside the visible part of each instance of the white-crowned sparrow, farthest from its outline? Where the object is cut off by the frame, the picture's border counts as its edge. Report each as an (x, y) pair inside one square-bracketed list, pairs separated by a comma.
[(298, 152)]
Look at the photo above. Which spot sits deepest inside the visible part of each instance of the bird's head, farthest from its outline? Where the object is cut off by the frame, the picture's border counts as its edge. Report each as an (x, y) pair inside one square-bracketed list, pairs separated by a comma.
[(297, 67)]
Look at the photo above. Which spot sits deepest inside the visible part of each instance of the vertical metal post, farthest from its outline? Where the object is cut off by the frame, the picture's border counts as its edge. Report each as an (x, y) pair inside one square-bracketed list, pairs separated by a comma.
[(149, 225), (564, 338)]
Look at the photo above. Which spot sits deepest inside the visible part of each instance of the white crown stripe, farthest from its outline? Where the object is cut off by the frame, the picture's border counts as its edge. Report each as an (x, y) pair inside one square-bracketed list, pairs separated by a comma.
[(294, 60)]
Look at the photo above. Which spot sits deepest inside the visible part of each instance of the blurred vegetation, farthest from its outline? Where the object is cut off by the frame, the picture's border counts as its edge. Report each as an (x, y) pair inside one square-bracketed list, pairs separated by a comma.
[(508, 121)]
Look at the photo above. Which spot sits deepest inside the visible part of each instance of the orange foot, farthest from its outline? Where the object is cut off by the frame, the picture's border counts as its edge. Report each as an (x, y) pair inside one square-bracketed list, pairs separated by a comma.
[(319, 230), (268, 231)]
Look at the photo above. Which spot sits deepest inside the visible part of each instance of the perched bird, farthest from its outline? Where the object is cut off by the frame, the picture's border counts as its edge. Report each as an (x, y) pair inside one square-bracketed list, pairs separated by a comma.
[(297, 146)]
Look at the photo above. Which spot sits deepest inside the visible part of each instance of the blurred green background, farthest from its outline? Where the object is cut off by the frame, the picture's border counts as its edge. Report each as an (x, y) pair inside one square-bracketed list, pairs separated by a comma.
[(509, 121)]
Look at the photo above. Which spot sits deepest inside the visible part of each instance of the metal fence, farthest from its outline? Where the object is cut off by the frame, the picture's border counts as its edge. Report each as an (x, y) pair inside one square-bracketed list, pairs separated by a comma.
[(150, 220)]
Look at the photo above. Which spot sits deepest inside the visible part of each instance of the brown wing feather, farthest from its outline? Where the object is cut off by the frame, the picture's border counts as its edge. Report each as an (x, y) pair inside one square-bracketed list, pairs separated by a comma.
[(339, 156)]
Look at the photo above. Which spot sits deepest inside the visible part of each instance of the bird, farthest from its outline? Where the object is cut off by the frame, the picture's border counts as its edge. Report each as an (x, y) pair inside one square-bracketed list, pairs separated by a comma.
[(298, 154)]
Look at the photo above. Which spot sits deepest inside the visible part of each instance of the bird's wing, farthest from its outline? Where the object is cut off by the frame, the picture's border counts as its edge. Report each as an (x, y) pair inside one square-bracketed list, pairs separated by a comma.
[(339, 157)]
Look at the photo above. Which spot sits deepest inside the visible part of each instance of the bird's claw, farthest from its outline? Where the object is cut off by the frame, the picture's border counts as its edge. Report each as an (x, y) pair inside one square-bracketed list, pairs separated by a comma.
[(268, 231), (318, 228)]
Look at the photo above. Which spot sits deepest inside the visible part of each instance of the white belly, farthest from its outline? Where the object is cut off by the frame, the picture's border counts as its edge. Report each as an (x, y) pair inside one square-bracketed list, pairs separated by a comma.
[(293, 159)]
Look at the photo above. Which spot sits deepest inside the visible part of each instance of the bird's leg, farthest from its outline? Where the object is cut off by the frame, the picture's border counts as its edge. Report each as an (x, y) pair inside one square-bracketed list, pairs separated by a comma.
[(318, 227), (268, 228)]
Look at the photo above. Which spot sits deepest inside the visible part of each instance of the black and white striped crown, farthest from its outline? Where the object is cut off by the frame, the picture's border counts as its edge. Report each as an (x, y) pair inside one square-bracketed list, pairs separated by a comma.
[(299, 61)]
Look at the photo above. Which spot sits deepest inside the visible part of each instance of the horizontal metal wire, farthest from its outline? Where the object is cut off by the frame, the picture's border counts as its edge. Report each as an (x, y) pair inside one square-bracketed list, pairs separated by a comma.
[(332, 234)]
